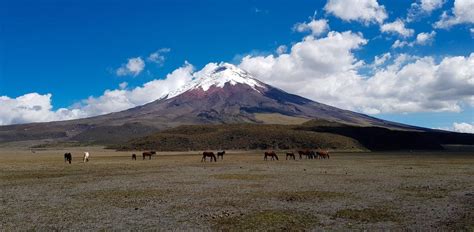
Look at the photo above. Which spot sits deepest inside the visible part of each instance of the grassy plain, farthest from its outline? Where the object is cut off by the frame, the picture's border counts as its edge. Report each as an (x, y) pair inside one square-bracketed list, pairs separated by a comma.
[(174, 190)]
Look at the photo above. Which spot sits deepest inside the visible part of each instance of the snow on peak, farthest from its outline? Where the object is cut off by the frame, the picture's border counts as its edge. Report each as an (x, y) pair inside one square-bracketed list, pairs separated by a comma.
[(217, 75)]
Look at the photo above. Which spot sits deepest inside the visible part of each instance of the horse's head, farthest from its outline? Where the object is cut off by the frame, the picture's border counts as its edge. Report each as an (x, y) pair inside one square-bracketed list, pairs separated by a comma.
[(153, 152)]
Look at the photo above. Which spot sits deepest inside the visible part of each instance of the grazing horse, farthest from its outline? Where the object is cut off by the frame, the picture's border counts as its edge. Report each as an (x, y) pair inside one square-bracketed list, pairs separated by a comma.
[(310, 154), (291, 155), (220, 154), (67, 157), (149, 154), (271, 154), (134, 157), (86, 157), (302, 153), (322, 154), (209, 154)]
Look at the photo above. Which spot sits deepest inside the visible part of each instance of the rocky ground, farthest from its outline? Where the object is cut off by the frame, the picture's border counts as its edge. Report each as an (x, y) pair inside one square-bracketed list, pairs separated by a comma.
[(403, 190)]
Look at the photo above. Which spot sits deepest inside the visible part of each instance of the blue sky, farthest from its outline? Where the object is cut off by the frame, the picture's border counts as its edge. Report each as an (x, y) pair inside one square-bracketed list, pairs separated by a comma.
[(72, 50)]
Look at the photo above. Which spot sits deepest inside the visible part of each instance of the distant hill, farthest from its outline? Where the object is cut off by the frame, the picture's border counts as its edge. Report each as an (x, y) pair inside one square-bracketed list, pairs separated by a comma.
[(310, 135)]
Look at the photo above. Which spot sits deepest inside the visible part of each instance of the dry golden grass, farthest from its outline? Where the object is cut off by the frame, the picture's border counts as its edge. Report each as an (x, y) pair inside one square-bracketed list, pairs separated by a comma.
[(244, 177), (276, 118), (269, 220), (374, 214)]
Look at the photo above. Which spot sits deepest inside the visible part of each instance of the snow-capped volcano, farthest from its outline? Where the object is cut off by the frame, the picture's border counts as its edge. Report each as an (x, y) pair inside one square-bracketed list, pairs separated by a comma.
[(218, 76), (217, 94)]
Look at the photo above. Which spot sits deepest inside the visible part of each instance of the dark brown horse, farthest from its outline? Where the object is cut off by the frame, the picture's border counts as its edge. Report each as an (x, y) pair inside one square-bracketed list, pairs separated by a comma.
[(308, 153), (149, 154), (209, 154), (322, 154), (220, 154), (311, 154), (134, 157), (68, 157), (302, 153), (272, 154), (291, 155)]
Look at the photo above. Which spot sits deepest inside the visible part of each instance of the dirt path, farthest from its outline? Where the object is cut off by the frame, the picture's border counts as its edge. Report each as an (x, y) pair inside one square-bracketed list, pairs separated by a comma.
[(176, 191)]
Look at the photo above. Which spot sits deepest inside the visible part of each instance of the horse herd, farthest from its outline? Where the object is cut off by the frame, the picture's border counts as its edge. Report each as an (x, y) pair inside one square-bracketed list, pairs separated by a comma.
[(309, 154)]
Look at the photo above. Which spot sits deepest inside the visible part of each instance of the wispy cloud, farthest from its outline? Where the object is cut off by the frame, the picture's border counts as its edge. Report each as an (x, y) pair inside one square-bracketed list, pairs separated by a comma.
[(158, 57), (133, 67)]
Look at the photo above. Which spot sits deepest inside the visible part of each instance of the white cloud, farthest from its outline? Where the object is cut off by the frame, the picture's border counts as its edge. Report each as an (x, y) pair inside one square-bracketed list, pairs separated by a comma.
[(472, 32), (425, 38), (158, 57), (365, 11), (399, 44), (380, 60), (120, 99), (430, 5), (134, 66), (462, 12), (398, 26), (32, 107), (326, 70), (316, 27), (463, 127), (423, 7), (281, 49), (123, 85)]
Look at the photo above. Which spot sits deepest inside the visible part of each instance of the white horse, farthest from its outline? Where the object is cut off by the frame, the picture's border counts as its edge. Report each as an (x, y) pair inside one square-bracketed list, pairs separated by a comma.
[(86, 157)]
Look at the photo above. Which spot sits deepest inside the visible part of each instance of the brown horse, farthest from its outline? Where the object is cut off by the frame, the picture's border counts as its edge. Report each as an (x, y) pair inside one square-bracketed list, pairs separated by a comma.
[(209, 154), (134, 157), (310, 154), (291, 155), (302, 153), (68, 157), (306, 153), (220, 154), (322, 154), (149, 154), (272, 154)]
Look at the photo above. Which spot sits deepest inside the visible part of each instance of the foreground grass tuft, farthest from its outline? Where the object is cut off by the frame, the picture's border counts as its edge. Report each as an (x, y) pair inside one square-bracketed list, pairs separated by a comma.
[(122, 198), (371, 215), (425, 191), (267, 220), (309, 195), (240, 176)]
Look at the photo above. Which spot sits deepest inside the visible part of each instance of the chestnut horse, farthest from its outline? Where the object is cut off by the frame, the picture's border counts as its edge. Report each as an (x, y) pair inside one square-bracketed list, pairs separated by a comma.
[(209, 154), (322, 154), (67, 157), (149, 154), (291, 155), (271, 154), (220, 154)]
